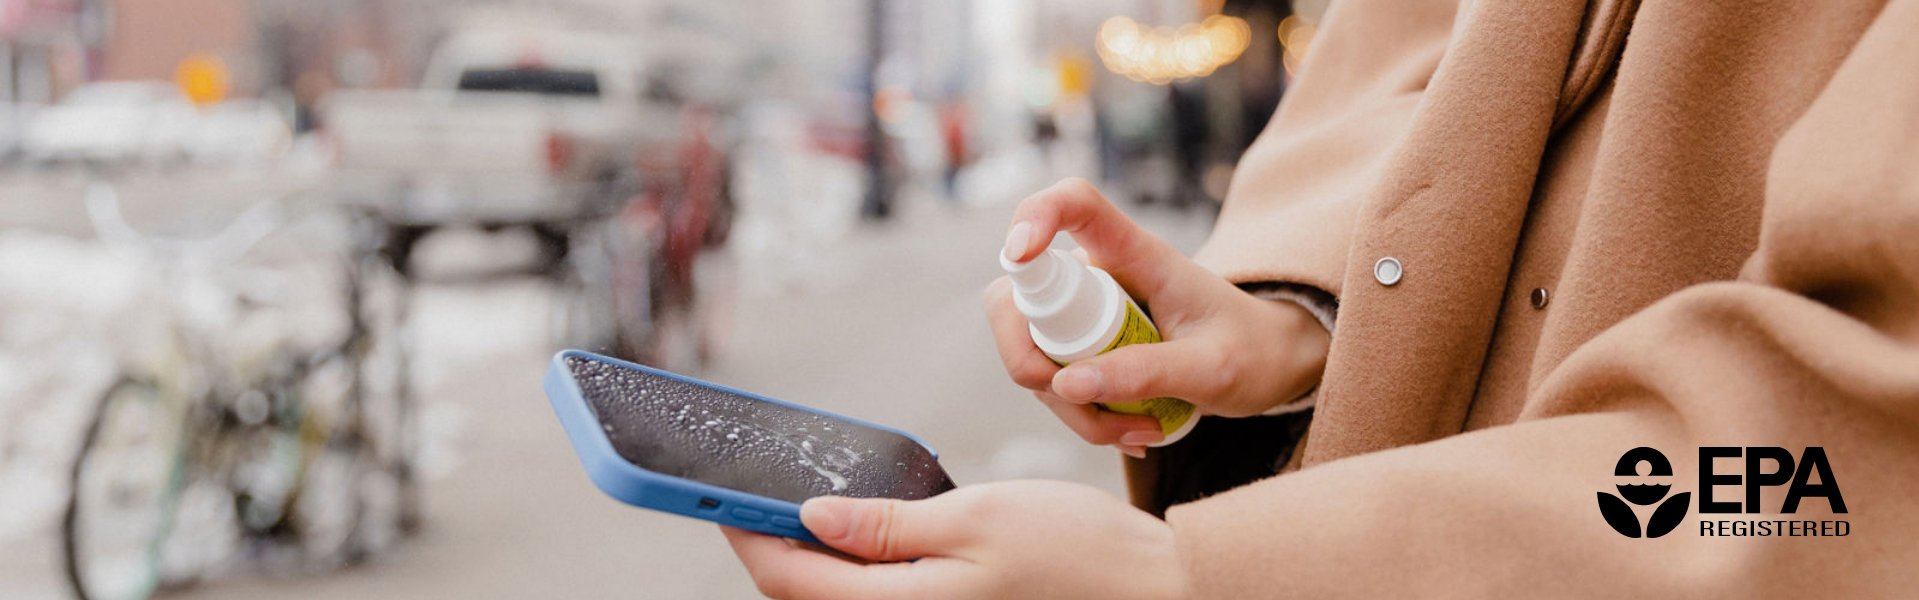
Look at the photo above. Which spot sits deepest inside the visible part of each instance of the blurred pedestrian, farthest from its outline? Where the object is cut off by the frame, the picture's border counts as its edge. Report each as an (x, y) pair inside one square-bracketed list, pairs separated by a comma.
[(1192, 138), (952, 120)]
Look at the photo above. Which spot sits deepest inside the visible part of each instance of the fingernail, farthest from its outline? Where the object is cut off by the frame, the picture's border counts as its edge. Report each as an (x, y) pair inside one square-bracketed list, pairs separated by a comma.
[(1078, 385), (829, 518), (1018, 240), (1142, 437), (1133, 451)]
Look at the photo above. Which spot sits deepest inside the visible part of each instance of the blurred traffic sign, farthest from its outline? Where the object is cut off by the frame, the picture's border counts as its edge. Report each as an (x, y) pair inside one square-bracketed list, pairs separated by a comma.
[(203, 78), (1075, 74)]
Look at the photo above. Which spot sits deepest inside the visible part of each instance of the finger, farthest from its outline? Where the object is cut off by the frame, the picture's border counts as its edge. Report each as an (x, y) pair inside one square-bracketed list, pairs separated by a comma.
[(1098, 427), (1028, 367), (1120, 245), (791, 572), (884, 529), (1188, 368)]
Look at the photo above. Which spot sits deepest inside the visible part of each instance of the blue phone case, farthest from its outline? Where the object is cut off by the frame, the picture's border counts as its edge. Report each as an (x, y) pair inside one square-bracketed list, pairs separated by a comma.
[(634, 485)]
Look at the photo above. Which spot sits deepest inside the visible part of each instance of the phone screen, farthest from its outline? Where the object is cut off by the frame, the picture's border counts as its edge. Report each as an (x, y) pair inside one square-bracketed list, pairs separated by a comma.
[(713, 436)]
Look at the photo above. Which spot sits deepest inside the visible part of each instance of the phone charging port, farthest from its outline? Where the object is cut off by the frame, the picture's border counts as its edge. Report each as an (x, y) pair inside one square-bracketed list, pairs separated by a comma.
[(709, 503)]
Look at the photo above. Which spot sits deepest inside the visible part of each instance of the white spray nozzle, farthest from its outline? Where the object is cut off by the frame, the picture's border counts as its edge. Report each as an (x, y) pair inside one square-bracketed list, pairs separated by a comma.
[(1053, 292), (1033, 274)]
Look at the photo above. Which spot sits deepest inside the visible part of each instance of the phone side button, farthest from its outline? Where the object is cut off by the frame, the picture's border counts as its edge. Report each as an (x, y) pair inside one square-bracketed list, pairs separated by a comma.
[(747, 514), (786, 522)]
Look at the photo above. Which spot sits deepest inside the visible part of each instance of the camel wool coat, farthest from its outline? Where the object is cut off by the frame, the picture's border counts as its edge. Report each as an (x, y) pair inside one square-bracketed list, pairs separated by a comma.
[(1663, 223)]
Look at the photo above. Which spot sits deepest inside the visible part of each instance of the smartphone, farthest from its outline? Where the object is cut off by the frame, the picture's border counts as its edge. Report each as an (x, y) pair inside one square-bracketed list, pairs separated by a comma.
[(676, 444)]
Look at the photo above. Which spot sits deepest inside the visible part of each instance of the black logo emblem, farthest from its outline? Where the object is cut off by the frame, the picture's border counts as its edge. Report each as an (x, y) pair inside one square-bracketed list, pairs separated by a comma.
[(1620, 515)]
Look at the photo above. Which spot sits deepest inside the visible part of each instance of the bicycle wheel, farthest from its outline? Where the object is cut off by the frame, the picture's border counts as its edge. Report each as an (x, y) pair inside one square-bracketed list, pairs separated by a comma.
[(126, 482), (326, 506), (327, 509), (584, 312), (386, 411)]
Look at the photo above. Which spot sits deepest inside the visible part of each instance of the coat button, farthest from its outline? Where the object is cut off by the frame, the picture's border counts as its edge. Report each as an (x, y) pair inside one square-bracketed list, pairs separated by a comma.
[(1540, 298), (1388, 271)]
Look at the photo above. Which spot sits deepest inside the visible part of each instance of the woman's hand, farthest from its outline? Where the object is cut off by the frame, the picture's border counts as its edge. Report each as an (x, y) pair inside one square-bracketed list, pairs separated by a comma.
[(1020, 539), (1227, 352)]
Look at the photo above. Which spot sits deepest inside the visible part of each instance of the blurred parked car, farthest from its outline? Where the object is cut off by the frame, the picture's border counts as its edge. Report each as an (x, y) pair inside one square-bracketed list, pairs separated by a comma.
[(244, 131), (509, 129), (112, 122)]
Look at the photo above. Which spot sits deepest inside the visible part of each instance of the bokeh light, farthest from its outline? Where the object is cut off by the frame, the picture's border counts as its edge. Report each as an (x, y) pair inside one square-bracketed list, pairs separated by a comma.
[(1161, 55)]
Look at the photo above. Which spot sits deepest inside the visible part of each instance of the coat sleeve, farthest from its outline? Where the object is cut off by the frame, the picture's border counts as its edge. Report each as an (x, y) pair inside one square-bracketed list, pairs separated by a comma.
[(1816, 344), (1296, 193)]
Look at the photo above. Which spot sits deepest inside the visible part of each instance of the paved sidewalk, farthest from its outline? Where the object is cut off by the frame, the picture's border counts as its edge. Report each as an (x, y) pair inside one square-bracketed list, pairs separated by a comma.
[(884, 324)]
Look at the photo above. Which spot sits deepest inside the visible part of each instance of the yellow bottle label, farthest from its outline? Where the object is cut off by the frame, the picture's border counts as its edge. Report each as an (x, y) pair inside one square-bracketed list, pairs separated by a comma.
[(1172, 413), (1136, 330)]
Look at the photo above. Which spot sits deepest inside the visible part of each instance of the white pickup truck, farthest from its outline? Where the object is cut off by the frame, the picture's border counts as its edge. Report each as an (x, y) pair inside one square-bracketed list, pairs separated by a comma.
[(519, 128)]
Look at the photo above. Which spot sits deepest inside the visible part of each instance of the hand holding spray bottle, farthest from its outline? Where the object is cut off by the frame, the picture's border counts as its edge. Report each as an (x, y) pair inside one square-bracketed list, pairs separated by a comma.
[(1078, 311)]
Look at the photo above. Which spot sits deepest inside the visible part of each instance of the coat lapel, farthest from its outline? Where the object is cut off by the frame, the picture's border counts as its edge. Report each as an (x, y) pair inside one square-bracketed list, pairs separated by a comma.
[(1448, 212)]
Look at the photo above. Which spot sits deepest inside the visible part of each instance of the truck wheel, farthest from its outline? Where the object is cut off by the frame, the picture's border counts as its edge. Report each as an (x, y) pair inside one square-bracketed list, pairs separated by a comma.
[(555, 245), (398, 248)]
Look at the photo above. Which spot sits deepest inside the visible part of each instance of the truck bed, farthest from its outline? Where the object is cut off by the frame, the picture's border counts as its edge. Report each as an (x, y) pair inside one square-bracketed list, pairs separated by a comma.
[(429, 157)]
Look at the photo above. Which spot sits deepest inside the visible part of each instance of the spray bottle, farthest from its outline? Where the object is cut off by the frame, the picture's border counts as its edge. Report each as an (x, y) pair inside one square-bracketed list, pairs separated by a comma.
[(1077, 311)]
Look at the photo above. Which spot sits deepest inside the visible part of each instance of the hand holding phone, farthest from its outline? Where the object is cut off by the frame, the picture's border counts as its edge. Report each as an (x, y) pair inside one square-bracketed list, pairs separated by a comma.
[(671, 443)]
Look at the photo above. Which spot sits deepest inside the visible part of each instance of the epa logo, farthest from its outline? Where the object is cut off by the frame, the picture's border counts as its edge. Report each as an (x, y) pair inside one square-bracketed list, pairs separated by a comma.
[(1648, 486), (1621, 515)]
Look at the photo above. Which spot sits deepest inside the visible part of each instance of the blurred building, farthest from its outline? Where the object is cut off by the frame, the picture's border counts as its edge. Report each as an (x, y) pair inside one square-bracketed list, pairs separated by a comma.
[(44, 46), (49, 46), (148, 39)]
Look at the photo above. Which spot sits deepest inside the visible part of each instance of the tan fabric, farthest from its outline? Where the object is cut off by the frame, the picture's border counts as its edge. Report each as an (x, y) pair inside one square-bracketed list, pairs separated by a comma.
[(1722, 199)]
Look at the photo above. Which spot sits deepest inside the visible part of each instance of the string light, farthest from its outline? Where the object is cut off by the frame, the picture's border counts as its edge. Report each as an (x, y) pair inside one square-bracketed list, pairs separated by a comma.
[(1161, 55)]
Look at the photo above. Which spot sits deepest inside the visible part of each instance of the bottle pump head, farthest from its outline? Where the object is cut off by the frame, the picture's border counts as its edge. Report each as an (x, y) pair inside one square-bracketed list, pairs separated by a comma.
[(1055, 293)]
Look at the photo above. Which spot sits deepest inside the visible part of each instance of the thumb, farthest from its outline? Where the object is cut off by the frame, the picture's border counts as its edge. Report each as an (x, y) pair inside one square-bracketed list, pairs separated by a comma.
[(1176, 369), (880, 529)]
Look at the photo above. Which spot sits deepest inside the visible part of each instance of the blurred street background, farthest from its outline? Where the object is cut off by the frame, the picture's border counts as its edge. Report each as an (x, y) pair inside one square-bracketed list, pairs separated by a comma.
[(279, 278)]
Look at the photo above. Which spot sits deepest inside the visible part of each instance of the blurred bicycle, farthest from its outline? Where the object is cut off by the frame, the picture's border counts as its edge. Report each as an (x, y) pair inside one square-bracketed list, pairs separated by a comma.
[(244, 426), (645, 282)]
